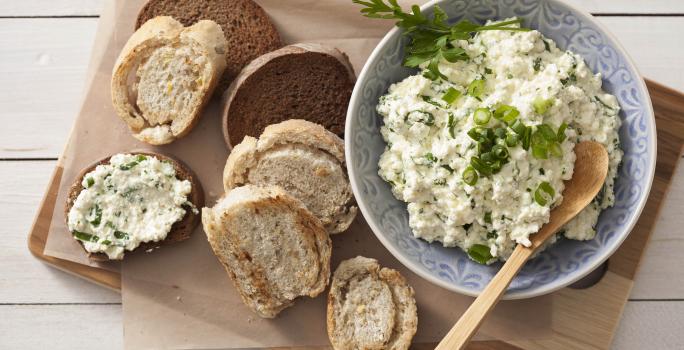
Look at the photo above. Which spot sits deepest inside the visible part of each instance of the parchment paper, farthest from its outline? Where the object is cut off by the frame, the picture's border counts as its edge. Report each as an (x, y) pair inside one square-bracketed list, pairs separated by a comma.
[(179, 296)]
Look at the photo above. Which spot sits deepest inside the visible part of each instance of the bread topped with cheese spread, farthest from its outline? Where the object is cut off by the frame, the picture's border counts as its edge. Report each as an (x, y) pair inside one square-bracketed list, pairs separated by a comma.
[(370, 307), (305, 160), (132, 201), (272, 247), (248, 30), (165, 75)]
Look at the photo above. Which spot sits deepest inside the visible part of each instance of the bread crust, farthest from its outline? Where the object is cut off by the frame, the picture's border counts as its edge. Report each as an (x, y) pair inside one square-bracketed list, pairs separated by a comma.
[(180, 230), (260, 62), (205, 36), (247, 278), (247, 28), (245, 156), (405, 312)]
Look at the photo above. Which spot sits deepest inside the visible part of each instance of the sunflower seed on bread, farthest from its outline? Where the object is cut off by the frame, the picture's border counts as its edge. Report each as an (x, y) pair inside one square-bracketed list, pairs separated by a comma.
[(370, 307), (248, 30), (301, 81), (165, 75), (305, 160), (180, 230), (272, 247)]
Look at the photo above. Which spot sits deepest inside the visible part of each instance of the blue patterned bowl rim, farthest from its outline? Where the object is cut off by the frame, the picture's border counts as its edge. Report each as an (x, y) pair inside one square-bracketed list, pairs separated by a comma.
[(541, 289)]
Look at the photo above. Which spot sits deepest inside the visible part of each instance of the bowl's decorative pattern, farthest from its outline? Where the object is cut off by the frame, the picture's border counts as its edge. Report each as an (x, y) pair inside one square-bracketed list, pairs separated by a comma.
[(567, 260)]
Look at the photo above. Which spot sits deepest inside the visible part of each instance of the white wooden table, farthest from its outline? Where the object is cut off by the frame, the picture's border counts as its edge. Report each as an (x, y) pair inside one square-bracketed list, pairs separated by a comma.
[(44, 51)]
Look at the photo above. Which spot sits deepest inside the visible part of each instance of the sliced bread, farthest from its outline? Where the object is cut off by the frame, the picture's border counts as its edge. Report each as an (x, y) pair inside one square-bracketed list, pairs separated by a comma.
[(272, 247), (370, 307), (302, 81), (305, 160), (165, 75), (246, 26), (180, 231)]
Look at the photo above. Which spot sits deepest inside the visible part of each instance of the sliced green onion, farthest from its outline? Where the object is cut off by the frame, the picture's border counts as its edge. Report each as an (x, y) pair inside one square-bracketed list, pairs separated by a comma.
[(121, 235), (561, 132), (451, 95), (90, 182), (518, 127), (470, 176), (451, 124), (499, 152), (475, 133), (488, 217), (526, 138), (512, 140), (540, 151), (487, 157), (106, 242), (480, 253), (447, 168), (482, 116), (546, 132), (506, 113), (95, 215), (496, 166), (476, 88), (85, 237), (480, 166), (541, 105), (544, 193), (555, 149), (430, 157), (500, 133)]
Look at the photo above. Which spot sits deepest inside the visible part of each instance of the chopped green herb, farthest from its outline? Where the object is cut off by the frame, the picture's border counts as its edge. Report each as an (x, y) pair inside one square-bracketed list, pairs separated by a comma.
[(476, 88), (487, 71), (546, 45), (448, 168), (95, 215), (544, 193), (85, 237), (121, 235), (128, 166), (492, 235), (439, 182), (429, 100), (430, 157), (451, 124), (537, 64), (572, 78), (451, 95), (488, 217), (480, 253), (90, 182)]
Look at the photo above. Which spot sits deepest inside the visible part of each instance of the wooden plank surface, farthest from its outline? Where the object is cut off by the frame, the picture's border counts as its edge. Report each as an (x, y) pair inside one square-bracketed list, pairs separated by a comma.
[(43, 75), (43, 63), (93, 7)]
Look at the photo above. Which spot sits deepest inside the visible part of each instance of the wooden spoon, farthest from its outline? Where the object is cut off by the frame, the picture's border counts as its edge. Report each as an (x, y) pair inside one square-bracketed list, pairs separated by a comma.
[(591, 167)]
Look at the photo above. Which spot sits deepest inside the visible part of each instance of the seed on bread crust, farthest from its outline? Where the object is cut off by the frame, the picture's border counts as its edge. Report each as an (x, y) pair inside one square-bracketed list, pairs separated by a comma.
[(180, 231)]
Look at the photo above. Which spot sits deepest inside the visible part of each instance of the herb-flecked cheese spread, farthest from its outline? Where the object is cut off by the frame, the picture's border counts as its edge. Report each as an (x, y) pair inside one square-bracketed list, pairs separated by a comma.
[(130, 200), (480, 154)]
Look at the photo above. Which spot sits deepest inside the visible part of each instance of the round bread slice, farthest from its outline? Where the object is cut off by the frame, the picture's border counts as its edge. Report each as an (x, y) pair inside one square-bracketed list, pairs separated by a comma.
[(370, 307), (246, 26), (301, 81), (272, 247), (165, 75), (180, 230), (305, 160)]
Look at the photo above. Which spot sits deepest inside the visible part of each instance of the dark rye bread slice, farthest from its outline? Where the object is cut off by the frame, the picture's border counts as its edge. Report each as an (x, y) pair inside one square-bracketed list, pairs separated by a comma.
[(301, 81), (180, 231), (248, 29)]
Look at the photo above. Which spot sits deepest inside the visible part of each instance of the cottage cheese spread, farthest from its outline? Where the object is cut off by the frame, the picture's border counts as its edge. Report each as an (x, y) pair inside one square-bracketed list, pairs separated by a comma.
[(133, 199), (428, 158)]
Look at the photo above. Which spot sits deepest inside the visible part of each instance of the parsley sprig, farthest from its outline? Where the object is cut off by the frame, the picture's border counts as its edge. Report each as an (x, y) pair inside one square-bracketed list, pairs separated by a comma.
[(430, 38)]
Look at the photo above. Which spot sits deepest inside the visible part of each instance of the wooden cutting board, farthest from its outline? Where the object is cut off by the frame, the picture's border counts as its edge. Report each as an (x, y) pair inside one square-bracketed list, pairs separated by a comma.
[(582, 318)]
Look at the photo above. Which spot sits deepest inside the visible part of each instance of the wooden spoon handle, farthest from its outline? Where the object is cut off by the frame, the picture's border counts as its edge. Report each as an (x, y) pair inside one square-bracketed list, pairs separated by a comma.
[(470, 321)]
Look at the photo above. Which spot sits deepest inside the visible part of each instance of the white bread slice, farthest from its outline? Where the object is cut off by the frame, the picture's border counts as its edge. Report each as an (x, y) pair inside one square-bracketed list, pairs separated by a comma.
[(370, 307), (272, 247), (165, 75), (305, 160)]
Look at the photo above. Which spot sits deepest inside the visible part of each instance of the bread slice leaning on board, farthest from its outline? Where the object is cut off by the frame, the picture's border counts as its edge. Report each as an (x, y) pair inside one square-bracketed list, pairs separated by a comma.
[(370, 307), (272, 247), (180, 230), (301, 81), (165, 75), (305, 160)]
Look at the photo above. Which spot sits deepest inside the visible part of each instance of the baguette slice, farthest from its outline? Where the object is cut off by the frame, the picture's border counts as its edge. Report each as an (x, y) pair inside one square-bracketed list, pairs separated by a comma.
[(180, 231), (370, 307), (272, 247), (247, 28), (165, 75), (301, 81), (304, 159)]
